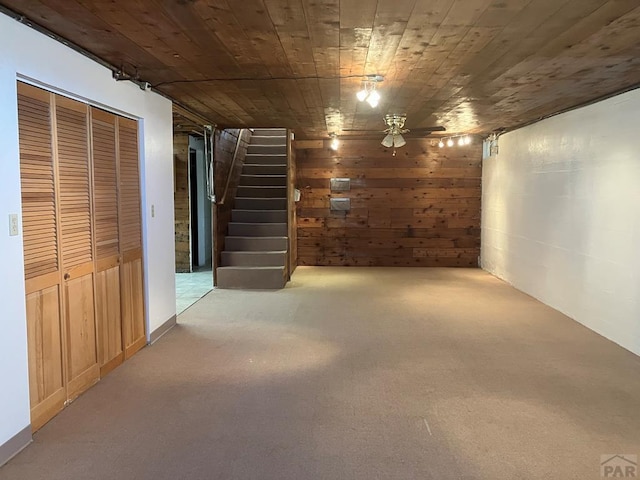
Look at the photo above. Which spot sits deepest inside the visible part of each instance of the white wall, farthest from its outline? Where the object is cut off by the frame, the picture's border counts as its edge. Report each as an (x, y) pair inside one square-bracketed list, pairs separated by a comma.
[(26, 53), (561, 215)]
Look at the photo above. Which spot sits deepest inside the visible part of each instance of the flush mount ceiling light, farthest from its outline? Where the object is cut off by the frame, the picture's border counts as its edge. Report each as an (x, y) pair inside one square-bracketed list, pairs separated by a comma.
[(368, 92)]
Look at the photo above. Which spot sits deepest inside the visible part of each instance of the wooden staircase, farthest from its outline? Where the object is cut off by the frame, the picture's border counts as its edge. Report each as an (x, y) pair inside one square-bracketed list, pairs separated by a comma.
[(256, 247)]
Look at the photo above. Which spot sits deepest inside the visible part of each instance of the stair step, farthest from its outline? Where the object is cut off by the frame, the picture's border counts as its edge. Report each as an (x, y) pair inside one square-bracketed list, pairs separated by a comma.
[(256, 169), (259, 216), (262, 191), (264, 180), (267, 278), (267, 149), (254, 259), (255, 229), (265, 132), (255, 244), (266, 158), (268, 140), (252, 203)]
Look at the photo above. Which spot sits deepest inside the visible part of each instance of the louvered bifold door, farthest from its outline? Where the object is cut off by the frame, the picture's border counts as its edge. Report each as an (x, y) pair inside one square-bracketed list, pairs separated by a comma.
[(76, 243), (107, 241), (41, 262), (133, 323)]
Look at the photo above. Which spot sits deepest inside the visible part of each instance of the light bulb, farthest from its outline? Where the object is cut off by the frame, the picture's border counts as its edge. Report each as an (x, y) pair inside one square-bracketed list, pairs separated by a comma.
[(362, 94), (450, 143), (335, 143), (441, 144), (460, 141), (399, 141), (467, 140), (373, 99)]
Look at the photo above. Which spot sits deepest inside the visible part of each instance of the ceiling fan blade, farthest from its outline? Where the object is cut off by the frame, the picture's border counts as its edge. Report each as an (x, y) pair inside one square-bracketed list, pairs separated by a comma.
[(428, 129)]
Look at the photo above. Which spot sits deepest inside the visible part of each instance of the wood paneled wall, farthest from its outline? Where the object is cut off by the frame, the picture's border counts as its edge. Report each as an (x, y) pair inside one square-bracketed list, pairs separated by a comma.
[(292, 219), (224, 147), (181, 201), (419, 208)]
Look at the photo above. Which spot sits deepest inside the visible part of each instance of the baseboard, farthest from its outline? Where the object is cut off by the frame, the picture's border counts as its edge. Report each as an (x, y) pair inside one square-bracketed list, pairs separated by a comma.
[(15, 445), (162, 329)]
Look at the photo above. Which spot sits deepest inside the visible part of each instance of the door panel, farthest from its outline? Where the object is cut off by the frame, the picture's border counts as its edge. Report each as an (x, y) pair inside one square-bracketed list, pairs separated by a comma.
[(132, 307), (81, 335), (76, 243), (108, 311), (46, 382), (41, 255), (133, 321), (107, 251)]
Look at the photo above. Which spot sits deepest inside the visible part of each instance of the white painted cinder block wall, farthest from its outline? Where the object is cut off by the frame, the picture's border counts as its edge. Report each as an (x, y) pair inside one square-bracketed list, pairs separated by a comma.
[(561, 215), (26, 53)]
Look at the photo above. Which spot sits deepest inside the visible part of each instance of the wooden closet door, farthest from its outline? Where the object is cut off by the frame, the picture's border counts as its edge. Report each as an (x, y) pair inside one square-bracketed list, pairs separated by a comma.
[(132, 292), (41, 256), (107, 241), (76, 244)]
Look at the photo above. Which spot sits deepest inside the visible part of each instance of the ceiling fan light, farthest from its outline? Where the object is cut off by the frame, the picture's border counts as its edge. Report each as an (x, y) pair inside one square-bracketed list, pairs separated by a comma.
[(388, 141), (335, 143), (399, 141), (362, 94), (373, 99)]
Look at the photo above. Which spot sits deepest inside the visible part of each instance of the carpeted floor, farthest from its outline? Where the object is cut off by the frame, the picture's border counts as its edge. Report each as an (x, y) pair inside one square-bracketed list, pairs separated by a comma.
[(355, 373)]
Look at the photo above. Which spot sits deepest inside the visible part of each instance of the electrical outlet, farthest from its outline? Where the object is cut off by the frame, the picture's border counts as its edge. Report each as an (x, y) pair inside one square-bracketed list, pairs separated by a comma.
[(153, 211), (13, 224)]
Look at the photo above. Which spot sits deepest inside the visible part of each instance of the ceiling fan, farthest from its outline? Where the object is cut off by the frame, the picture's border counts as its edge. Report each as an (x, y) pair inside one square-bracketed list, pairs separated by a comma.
[(395, 131)]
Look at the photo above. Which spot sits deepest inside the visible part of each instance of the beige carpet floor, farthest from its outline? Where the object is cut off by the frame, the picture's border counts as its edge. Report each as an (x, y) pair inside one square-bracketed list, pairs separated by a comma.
[(355, 373)]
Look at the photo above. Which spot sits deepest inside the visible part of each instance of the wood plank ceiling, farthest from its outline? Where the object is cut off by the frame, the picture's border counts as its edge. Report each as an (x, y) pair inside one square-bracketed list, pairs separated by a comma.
[(470, 65)]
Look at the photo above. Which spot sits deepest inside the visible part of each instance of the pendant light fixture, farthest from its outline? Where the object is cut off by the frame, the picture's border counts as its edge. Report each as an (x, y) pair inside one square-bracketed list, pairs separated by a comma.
[(368, 91)]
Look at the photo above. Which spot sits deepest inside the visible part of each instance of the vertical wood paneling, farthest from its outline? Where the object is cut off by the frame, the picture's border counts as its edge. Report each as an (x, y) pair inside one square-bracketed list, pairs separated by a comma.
[(292, 226), (182, 213), (420, 208)]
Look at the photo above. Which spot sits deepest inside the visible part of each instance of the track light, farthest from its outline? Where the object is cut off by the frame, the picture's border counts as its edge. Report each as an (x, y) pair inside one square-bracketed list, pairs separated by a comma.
[(459, 140)]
